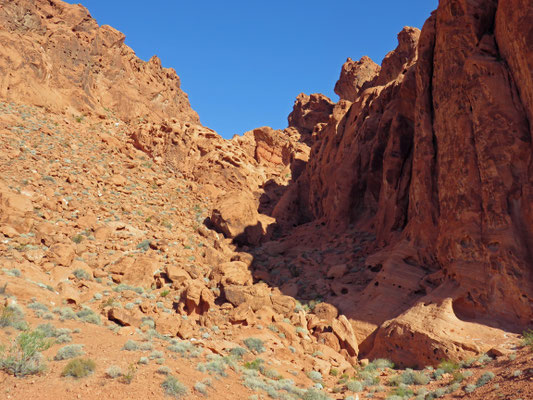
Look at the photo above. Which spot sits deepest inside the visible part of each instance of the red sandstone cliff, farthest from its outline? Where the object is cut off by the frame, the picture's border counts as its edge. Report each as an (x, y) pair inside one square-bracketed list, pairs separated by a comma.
[(54, 54), (435, 157)]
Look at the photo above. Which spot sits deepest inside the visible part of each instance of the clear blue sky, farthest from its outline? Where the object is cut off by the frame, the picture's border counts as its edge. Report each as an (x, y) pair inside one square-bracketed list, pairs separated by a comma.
[(243, 63)]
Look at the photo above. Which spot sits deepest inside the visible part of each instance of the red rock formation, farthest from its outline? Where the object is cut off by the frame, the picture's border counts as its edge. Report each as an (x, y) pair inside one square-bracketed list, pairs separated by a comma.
[(436, 159), (55, 55), (356, 76)]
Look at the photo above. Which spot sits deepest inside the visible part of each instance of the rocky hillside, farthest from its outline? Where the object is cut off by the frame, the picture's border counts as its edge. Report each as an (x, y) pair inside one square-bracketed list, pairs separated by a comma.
[(143, 256)]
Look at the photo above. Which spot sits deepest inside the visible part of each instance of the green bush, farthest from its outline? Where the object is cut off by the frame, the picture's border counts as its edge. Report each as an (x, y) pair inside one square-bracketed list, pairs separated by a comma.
[(79, 368), (23, 356), (12, 315), (448, 366), (173, 387)]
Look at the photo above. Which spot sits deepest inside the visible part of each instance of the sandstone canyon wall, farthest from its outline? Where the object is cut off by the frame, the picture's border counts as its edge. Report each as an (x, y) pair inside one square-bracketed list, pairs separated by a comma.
[(433, 153)]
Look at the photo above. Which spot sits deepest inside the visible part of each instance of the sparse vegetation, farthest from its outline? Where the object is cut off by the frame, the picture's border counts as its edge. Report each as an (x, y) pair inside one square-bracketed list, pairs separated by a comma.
[(173, 387), (79, 368), (23, 357), (131, 345), (113, 372), (69, 351), (254, 344), (527, 338), (485, 378)]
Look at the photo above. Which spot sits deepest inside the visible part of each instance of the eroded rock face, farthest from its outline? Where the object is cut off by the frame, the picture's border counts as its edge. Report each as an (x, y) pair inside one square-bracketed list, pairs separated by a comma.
[(310, 110), (435, 158), (356, 76), (73, 64)]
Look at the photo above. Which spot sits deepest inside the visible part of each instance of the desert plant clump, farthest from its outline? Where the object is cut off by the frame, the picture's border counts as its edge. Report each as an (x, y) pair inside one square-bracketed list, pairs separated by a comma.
[(143, 360), (88, 315), (173, 387), (527, 338), (128, 376), (130, 345), (163, 370), (470, 388), (315, 376), (81, 274), (378, 364), (24, 356), (313, 394), (354, 386), (13, 316), (238, 352), (113, 372), (215, 364), (69, 351), (254, 344), (485, 378), (79, 368), (201, 388), (184, 349)]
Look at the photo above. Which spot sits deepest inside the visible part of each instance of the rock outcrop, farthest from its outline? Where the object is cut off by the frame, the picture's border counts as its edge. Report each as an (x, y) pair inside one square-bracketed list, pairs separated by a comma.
[(61, 59), (434, 157)]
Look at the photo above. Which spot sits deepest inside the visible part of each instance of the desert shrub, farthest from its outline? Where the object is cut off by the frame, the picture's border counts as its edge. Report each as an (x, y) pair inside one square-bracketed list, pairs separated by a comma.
[(315, 376), (185, 349), (156, 354), (272, 374), (146, 346), (12, 315), (81, 274), (527, 338), (485, 378), (216, 365), (254, 344), (173, 387), (312, 394), (402, 391), (65, 313), (130, 345), (143, 360), (127, 377), (354, 386), (113, 372), (69, 351), (37, 306), (369, 378), (484, 358), (448, 366), (79, 368), (23, 357), (379, 363), (238, 352), (163, 370), (88, 315), (256, 364), (201, 388), (470, 388), (410, 377)]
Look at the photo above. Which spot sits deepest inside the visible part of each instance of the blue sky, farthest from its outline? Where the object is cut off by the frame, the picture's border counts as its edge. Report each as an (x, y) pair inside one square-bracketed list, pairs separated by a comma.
[(243, 63)]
